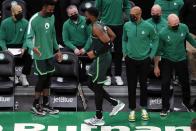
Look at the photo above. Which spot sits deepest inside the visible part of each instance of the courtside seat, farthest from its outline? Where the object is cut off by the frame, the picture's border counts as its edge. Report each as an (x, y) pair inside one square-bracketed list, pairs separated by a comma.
[(154, 95), (68, 69), (7, 69), (154, 88), (6, 86), (64, 94), (67, 86)]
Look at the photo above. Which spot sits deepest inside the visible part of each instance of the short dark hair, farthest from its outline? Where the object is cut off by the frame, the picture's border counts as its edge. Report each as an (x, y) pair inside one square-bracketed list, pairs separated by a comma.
[(93, 11), (48, 2), (193, 124)]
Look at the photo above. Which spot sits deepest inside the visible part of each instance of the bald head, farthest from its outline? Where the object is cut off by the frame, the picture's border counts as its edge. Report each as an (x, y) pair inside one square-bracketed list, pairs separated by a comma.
[(156, 10), (136, 13), (173, 20), (136, 10), (72, 10)]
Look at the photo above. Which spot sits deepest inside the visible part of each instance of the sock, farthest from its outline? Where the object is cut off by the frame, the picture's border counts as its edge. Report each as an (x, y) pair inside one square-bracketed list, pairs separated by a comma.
[(99, 114), (45, 100)]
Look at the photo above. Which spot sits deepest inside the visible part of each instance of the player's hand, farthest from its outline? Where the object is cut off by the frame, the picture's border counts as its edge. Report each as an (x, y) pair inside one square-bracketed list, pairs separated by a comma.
[(59, 56), (157, 71), (22, 51), (77, 51), (36, 51), (82, 51), (91, 54)]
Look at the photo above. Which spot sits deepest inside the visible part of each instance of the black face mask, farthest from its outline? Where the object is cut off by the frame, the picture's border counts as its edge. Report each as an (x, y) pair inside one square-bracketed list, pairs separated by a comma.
[(74, 17), (88, 22), (156, 18), (19, 16), (133, 18), (49, 14), (175, 27)]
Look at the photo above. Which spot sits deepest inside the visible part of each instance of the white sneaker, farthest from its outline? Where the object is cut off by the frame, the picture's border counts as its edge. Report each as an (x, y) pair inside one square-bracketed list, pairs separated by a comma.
[(119, 80), (117, 108), (108, 81), (59, 79), (23, 80), (95, 121)]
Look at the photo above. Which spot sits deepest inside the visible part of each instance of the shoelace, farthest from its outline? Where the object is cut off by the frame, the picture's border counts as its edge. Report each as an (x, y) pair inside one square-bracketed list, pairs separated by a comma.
[(132, 113), (94, 120), (39, 108), (144, 112)]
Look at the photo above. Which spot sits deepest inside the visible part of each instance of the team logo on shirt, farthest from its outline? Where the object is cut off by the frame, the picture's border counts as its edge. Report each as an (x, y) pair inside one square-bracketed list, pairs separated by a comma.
[(21, 29), (47, 26), (175, 3), (82, 26), (143, 32), (182, 34), (168, 38)]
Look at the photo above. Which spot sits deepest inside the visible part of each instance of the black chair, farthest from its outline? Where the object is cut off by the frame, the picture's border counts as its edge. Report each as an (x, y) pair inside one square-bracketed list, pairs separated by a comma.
[(154, 95), (6, 7), (7, 86), (64, 94)]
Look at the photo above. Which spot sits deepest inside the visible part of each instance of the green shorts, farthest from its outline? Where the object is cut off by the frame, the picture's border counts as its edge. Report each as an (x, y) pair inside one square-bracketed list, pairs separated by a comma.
[(99, 67), (44, 67)]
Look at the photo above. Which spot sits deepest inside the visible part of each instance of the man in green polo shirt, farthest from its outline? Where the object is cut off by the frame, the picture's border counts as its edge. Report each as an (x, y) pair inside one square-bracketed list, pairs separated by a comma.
[(76, 36), (173, 56), (12, 35), (41, 38), (138, 36), (170, 6), (157, 21), (111, 14)]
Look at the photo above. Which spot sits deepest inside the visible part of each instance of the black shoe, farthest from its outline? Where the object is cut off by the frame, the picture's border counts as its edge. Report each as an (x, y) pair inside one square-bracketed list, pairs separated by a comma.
[(188, 107), (50, 110), (164, 113), (38, 110)]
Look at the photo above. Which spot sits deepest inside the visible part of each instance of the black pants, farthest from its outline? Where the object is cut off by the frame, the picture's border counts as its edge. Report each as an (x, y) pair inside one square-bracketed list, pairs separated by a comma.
[(100, 94), (137, 69), (117, 54), (181, 69), (27, 60)]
